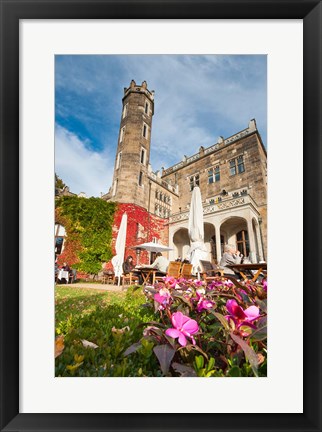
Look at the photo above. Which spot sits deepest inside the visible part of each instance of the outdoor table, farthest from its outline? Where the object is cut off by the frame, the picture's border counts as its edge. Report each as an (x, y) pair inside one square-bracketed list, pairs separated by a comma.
[(63, 274), (146, 272), (245, 269)]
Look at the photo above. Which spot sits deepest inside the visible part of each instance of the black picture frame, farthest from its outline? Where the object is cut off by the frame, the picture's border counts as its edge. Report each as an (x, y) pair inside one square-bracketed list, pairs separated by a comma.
[(11, 12)]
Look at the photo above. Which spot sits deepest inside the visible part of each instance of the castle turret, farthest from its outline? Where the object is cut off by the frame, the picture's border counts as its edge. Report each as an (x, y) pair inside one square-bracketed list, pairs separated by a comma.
[(130, 182)]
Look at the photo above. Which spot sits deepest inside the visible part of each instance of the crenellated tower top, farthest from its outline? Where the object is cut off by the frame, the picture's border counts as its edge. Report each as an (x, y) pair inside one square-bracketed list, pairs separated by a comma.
[(136, 88)]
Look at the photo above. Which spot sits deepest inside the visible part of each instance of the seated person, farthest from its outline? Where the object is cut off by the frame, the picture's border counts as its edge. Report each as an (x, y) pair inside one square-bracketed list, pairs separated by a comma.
[(71, 273), (231, 256), (128, 267), (66, 267), (160, 264)]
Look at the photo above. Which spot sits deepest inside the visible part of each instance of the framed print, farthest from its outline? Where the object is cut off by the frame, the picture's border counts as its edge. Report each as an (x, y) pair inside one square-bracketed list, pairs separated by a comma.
[(33, 33)]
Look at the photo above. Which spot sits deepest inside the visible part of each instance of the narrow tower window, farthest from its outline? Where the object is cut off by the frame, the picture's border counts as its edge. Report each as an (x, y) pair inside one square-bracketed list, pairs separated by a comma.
[(140, 178), (145, 130), (118, 161), (142, 158), (115, 187), (147, 108), (122, 134), (125, 108)]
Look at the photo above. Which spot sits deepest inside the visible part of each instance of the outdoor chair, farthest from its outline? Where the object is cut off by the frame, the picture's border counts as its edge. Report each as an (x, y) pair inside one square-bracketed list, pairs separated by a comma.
[(210, 271), (186, 270), (108, 277), (129, 279), (172, 271)]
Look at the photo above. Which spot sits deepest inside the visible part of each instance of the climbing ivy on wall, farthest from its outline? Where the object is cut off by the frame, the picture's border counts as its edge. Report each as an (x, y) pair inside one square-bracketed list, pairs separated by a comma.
[(88, 223)]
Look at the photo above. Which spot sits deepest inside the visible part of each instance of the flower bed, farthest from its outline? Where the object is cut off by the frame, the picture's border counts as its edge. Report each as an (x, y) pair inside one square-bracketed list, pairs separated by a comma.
[(207, 330), (175, 328)]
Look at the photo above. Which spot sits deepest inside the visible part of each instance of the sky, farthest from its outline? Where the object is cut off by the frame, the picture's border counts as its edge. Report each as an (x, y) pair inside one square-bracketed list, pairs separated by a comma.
[(197, 99)]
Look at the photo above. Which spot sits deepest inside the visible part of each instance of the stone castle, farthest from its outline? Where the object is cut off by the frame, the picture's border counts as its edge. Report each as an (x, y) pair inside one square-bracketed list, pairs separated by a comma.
[(231, 174)]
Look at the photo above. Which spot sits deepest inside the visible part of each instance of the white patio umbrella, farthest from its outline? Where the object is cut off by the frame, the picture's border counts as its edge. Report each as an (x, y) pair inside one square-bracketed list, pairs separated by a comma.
[(154, 247), (197, 249), (118, 259)]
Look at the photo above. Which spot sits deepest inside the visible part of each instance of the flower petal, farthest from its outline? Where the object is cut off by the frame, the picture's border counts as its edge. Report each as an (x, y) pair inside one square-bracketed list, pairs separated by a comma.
[(235, 310), (182, 339), (160, 299), (252, 313), (190, 327), (174, 333), (177, 319)]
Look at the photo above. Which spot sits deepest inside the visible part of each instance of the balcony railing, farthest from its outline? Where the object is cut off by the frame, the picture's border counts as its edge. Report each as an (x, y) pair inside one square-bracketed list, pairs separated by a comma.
[(225, 204)]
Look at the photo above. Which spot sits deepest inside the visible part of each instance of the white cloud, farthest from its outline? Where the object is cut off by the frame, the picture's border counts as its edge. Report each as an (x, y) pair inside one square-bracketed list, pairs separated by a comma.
[(81, 169)]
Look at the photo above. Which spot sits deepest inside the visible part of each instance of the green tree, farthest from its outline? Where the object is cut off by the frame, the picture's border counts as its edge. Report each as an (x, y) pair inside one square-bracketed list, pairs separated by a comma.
[(91, 220), (59, 184)]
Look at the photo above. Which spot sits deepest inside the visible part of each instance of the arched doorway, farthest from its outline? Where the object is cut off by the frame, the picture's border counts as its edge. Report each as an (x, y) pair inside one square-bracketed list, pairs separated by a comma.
[(234, 231), (181, 243)]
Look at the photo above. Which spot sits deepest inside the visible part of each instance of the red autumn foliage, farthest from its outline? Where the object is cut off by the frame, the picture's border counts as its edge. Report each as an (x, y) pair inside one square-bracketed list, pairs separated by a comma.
[(142, 227), (72, 244)]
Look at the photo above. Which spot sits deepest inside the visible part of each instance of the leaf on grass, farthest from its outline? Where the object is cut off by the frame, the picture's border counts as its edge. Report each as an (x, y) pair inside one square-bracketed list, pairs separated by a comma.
[(74, 366), (59, 345), (249, 352), (184, 371), (120, 331), (88, 344), (165, 355), (131, 349)]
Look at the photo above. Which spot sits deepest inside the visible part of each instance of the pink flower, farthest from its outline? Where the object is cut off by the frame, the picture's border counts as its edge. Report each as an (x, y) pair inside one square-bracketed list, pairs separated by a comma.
[(170, 281), (241, 318), (163, 297), (203, 304), (228, 283), (265, 285), (183, 327), (198, 283)]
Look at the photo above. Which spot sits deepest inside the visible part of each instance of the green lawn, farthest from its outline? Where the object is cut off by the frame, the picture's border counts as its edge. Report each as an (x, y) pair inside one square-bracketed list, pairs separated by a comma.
[(113, 321)]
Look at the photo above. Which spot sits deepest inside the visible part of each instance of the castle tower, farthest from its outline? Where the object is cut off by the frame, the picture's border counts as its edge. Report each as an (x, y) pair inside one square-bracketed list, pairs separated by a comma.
[(130, 181)]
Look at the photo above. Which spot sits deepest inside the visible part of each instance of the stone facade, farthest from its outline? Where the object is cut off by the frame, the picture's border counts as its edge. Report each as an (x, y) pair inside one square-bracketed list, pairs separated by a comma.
[(231, 174)]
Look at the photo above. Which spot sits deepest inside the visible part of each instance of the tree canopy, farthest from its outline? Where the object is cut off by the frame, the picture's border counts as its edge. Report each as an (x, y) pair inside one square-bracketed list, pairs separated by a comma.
[(59, 184)]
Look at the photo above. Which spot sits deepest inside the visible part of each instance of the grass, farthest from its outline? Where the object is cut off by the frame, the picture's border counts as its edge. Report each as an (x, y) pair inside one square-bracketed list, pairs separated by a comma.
[(111, 320), (82, 301)]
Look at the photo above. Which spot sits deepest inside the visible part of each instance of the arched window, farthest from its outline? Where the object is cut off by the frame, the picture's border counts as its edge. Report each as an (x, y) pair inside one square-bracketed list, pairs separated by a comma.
[(243, 242)]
